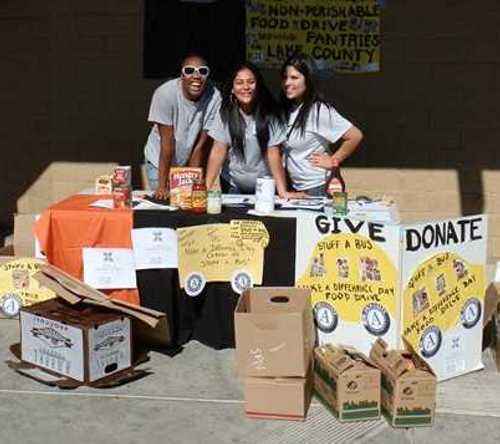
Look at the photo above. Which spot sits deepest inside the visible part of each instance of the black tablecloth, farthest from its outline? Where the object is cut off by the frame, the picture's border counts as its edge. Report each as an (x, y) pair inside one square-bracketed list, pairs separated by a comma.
[(208, 317)]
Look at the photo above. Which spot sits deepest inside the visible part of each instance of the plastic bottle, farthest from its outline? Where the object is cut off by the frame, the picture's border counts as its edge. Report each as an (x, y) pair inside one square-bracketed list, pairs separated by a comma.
[(335, 183), (336, 191)]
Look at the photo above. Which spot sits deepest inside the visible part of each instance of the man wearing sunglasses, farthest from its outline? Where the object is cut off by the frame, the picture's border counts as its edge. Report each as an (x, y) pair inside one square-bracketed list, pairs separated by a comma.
[(181, 111)]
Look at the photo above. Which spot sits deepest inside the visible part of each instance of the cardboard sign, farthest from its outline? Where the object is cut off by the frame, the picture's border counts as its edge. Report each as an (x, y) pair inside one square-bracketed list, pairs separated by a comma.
[(18, 288), (340, 35), (351, 268), (222, 252), (443, 276)]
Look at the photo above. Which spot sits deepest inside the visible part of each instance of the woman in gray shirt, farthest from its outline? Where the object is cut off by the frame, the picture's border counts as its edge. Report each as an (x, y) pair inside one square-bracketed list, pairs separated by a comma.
[(313, 124), (247, 135)]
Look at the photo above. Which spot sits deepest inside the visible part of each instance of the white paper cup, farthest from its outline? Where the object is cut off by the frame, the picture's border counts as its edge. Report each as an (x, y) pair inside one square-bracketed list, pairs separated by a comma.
[(264, 194)]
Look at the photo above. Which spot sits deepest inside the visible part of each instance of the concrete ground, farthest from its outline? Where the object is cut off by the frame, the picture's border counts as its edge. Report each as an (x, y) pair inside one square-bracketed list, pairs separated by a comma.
[(196, 397)]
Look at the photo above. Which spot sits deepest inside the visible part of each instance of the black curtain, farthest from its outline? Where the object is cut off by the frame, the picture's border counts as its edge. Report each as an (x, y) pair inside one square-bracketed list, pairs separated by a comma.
[(173, 29)]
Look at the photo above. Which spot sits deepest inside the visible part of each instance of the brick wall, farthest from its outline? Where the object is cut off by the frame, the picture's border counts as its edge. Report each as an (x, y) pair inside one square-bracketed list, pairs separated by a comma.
[(72, 89)]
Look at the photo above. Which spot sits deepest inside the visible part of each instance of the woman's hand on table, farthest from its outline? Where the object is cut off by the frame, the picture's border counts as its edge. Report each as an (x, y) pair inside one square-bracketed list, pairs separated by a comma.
[(161, 193), (292, 195)]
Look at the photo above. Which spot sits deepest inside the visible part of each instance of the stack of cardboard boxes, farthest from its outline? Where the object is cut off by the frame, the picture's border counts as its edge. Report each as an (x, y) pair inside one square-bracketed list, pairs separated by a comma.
[(274, 342)]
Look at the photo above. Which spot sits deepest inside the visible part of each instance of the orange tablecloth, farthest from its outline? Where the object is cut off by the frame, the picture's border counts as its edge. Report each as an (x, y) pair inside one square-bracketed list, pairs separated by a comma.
[(70, 225)]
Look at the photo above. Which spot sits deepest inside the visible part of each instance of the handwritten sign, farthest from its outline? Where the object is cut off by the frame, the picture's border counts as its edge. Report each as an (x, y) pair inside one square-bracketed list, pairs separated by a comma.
[(443, 276), (250, 230), (343, 35), (351, 268), (16, 279), (219, 250)]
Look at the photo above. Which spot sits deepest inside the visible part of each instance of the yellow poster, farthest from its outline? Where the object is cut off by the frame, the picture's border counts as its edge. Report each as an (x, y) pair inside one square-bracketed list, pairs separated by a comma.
[(443, 298), (353, 276), (443, 283), (232, 252), (18, 288), (343, 35)]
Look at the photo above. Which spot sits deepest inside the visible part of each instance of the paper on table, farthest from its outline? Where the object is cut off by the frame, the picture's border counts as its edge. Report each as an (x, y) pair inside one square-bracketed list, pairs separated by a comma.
[(102, 203), (143, 204), (307, 204), (238, 199), (154, 248), (109, 268)]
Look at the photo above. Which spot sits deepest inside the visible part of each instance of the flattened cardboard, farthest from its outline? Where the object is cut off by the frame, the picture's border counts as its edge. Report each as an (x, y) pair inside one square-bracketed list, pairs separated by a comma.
[(54, 380), (154, 329), (408, 387), (347, 382), (278, 398), (274, 332)]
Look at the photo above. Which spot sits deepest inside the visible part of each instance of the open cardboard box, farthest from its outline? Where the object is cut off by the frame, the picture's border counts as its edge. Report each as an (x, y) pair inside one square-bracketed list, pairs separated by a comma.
[(274, 332), (347, 382), (149, 327), (408, 387)]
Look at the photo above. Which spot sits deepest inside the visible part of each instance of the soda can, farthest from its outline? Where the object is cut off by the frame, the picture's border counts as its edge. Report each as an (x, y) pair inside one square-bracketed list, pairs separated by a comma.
[(264, 194)]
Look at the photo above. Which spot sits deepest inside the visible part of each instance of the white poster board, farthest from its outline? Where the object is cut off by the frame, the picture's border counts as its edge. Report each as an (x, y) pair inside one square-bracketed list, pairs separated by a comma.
[(443, 284), (352, 269)]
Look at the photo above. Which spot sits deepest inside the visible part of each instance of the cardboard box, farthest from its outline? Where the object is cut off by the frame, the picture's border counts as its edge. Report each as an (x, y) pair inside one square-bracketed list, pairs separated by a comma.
[(408, 387), (149, 326), (347, 382), (103, 184), (278, 398), (61, 180), (83, 343), (274, 332)]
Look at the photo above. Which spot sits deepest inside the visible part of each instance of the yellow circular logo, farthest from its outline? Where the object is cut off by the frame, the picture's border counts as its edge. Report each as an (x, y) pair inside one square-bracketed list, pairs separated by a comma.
[(354, 275)]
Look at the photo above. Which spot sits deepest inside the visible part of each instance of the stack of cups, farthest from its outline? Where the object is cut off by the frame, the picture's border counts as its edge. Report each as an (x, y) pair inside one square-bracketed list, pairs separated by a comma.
[(264, 194)]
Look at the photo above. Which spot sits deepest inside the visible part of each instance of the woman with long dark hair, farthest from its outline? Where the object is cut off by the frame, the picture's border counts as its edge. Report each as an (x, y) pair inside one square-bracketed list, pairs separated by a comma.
[(247, 135), (313, 125)]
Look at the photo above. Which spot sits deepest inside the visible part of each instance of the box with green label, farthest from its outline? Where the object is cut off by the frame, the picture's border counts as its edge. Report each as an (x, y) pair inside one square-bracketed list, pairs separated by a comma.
[(347, 382), (408, 387)]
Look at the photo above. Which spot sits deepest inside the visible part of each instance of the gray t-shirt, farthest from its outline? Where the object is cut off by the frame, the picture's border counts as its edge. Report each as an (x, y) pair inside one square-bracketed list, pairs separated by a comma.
[(170, 107), (244, 172), (318, 134)]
